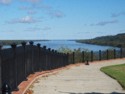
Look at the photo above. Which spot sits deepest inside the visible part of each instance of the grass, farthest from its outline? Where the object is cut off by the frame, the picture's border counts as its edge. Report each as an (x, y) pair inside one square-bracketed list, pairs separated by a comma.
[(117, 72)]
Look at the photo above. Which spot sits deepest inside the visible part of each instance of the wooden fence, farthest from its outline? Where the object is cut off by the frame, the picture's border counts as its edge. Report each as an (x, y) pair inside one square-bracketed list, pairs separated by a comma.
[(16, 63), (96, 55)]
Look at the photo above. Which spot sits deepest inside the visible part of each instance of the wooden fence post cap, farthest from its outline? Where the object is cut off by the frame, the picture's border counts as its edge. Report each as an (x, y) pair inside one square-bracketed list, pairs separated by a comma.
[(52, 50), (23, 43), (44, 47), (49, 48), (38, 44), (31, 42), (13, 45)]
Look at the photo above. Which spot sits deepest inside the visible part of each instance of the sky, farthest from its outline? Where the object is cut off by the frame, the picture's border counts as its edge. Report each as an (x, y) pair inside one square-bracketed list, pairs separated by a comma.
[(60, 19)]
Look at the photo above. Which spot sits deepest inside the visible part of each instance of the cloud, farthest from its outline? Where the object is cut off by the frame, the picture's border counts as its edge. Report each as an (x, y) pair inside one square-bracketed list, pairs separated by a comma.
[(5, 2), (33, 29), (42, 6), (57, 14), (50, 11), (32, 1), (118, 14), (122, 30), (45, 7), (46, 28), (33, 9), (107, 22), (103, 23), (31, 12), (26, 19), (25, 8)]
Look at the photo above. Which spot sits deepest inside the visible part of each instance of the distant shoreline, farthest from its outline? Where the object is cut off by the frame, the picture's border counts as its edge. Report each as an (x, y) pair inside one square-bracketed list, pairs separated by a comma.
[(95, 43), (115, 41)]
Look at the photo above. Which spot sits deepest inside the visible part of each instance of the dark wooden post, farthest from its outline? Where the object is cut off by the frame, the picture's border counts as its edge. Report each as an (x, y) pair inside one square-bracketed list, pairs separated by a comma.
[(91, 56), (39, 52), (58, 63), (0, 71), (55, 59), (100, 57), (49, 58), (63, 60), (15, 65), (73, 54), (24, 61), (83, 56), (52, 63), (32, 65), (121, 54), (45, 55), (52, 52), (58, 57), (67, 59), (114, 54), (107, 54), (42, 59)]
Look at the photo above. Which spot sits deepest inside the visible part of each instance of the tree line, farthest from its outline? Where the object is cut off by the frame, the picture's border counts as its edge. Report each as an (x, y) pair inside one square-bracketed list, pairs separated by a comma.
[(116, 40)]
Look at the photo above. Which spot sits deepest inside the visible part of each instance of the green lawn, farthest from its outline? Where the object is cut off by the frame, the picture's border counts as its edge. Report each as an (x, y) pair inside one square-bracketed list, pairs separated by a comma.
[(117, 72)]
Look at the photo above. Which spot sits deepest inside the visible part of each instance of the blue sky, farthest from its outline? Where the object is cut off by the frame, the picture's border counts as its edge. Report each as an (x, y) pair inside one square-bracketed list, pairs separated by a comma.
[(60, 19)]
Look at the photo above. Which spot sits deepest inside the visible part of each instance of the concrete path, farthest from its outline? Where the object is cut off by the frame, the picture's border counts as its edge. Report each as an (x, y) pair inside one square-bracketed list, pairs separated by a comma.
[(81, 79)]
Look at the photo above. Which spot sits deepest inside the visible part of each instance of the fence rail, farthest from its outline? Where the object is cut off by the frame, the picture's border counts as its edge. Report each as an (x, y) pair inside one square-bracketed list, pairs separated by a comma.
[(16, 63), (96, 55)]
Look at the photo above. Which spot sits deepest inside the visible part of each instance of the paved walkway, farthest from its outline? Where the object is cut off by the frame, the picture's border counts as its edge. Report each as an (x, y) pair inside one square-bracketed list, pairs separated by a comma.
[(81, 79)]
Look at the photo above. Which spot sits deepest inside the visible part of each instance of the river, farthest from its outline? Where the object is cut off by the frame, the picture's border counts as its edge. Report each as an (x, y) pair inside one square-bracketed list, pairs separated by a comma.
[(56, 44)]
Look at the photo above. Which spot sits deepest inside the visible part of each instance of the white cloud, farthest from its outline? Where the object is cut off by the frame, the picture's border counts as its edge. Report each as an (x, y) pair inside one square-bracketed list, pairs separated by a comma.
[(25, 8), (31, 12), (26, 19), (32, 1), (33, 29), (46, 28), (103, 23), (107, 22), (57, 14), (5, 2), (118, 14), (47, 8)]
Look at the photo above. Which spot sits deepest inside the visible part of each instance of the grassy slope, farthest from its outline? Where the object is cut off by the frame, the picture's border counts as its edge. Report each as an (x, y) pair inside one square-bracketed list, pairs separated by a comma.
[(117, 40), (117, 72)]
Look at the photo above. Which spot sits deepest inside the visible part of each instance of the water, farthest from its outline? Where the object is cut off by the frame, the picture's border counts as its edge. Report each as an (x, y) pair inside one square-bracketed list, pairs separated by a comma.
[(56, 44)]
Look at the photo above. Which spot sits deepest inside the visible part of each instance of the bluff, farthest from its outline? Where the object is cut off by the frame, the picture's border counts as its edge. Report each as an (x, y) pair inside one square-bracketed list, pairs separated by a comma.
[(111, 40)]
